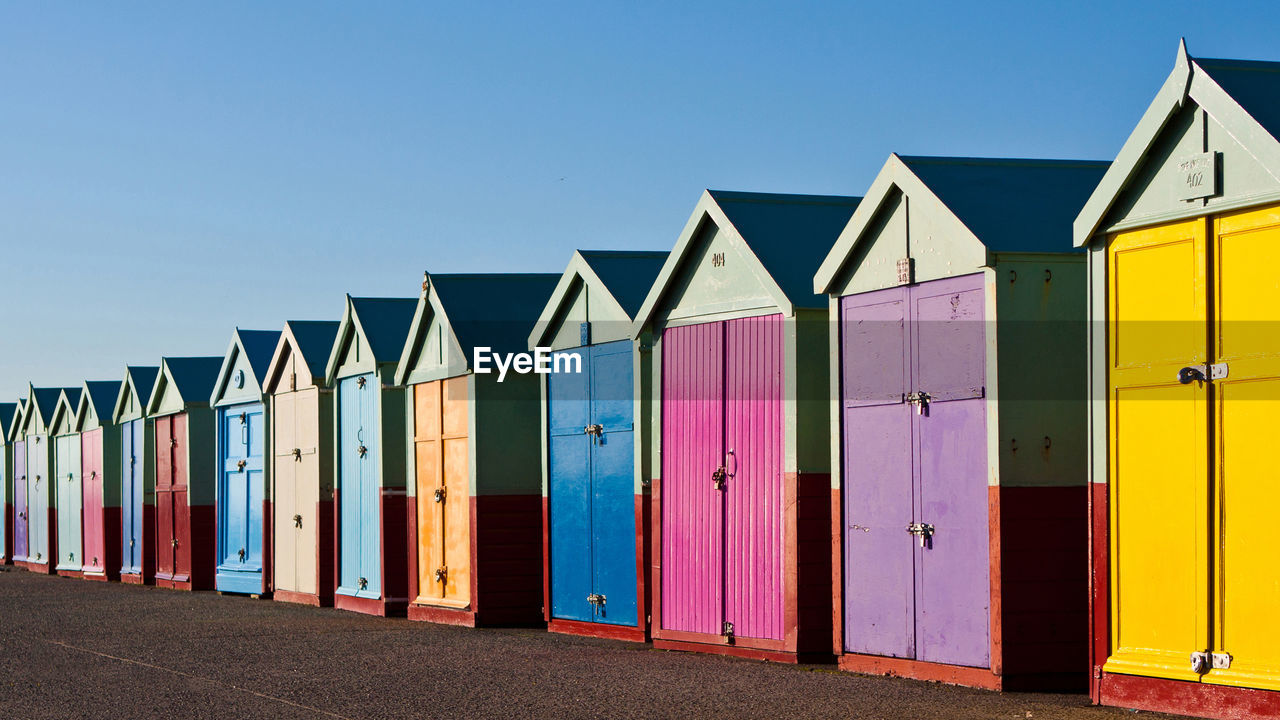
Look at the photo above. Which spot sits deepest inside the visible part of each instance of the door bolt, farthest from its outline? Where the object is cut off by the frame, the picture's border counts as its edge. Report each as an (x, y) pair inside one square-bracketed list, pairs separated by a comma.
[(442, 574), (920, 399), (297, 521), (241, 554), (363, 583), (240, 465), (440, 494), (718, 478), (297, 454), (922, 530)]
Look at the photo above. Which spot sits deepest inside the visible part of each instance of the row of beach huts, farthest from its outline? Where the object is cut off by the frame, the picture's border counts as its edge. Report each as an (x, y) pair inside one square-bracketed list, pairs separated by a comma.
[(1000, 423)]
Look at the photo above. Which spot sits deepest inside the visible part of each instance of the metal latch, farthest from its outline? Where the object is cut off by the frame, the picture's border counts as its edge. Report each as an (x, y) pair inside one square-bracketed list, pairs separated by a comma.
[(1221, 660), (920, 399), (241, 554), (244, 418), (132, 541), (595, 431), (595, 599), (922, 530), (439, 494), (362, 450), (1201, 373), (71, 557), (1201, 662), (363, 583), (173, 442), (360, 381), (175, 542), (718, 478), (71, 476), (442, 574), (297, 521), (240, 465), (726, 631), (95, 562), (297, 454)]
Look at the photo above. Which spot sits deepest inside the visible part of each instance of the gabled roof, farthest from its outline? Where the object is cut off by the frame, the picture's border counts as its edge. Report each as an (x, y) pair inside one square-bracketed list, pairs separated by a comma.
[(1241, 95), (45, 401), (68, 404), (312, 340), (13, 430), (623, 277), (787, 234), (995, 200), (384, 324), (101, 396), (141, 378), (257, 346), (8, 414), (493, 310), (193, 379)]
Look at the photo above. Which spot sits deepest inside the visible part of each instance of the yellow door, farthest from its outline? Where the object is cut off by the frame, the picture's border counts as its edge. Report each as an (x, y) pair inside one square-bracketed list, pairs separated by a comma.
[(443, 492), (1247, 481), (1159, 446)]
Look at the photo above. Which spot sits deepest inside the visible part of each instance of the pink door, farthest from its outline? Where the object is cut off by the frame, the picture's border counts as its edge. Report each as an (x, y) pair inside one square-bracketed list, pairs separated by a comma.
[(722, 492), (95, 551)]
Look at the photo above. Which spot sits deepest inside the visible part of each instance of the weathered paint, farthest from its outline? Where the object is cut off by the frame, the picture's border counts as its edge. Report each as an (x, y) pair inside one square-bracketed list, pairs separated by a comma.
[(301, 418), (1176, 284), (359, 499), (173, 516), (723, 411), (441, 419)]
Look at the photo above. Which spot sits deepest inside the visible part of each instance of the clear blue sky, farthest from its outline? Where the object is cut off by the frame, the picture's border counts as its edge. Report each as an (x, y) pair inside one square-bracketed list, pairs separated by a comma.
[(171, 170)]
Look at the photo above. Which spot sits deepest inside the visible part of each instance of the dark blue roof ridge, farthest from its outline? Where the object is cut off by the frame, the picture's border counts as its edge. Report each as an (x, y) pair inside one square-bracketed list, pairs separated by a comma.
[(624, 253), (259, 346), (1237, 64), (493, 309), (627, 275), (194, 376), (103, 394), (386, 322), (143, 378), (314, 340), (998, 162)]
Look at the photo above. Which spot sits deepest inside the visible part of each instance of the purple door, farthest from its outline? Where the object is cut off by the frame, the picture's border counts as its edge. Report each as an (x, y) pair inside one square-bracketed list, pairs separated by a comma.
[(916, 539), (20, 500), (722, 515), (879, 559)]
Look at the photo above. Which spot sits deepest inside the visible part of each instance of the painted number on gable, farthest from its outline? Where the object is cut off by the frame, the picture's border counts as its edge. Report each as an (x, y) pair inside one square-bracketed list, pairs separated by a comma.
[(1198, 176), (717, 260)]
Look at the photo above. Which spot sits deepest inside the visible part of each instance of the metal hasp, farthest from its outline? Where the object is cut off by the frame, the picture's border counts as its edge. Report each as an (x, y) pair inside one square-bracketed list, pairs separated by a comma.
[(297, 521), (726, 631), (596, 599), (440, 494), (920, 399), (718, 477), (1196, 373), (922, 530), (442, 574)]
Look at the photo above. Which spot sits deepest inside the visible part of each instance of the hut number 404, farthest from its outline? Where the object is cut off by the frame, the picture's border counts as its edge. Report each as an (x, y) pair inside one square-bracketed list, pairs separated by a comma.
[(540, 362)]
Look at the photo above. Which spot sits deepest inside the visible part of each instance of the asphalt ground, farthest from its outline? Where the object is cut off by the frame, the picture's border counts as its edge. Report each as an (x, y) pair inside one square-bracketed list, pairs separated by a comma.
[(76, 649)]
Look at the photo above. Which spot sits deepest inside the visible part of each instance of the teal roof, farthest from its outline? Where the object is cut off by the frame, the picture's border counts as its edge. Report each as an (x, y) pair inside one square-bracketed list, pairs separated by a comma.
[(47, 400), (259, 346), (7, 413), (315, 340), (385, 322), (1254, 84), (626, 274), (789, 234), (998, 199), (103, 394), (144, 378), (493, 310), (194, 377)]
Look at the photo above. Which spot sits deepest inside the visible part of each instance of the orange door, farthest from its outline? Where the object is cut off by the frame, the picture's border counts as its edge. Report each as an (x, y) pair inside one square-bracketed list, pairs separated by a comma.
[(443, 490)]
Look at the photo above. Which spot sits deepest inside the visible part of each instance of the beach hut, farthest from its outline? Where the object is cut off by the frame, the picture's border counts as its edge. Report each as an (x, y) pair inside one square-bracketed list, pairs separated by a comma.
[(100, 477), (243, 496), (958, 423), (41, 499), (369, 477), (8, 413), (1183, 240), (740, 493), (185, 471), (68, 492), (594, 505), (17, 442), (137, 454), (475, 539), (300, 404)]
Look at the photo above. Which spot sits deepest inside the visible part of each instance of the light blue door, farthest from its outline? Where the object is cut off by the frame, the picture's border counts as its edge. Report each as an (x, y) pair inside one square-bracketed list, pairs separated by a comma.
[(240, 498), (132, 451), (66, 483), (359, 552), (591, 491), (38, 499)]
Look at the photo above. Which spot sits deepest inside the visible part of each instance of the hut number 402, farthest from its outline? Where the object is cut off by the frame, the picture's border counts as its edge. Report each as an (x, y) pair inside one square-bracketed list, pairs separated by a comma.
[(1195, 179)]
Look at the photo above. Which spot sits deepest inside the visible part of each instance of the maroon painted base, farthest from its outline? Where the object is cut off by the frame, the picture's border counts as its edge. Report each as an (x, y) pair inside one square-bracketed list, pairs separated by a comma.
[(6, 542), (369, 606), (77, 574), (39, 568), (442, 615), (96, 577), (134, 579), (1186, 698), (742, 651), (597, 630), (110, 570), (298, 598), (172, 584)]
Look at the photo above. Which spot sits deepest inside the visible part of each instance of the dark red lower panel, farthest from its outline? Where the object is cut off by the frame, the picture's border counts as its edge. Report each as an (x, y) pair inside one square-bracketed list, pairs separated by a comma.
[(917, 670), (78, 574), (298, 598), (507, 560), (442, 615), (368, 606), (598, 630), (6, 554), (738, 650), (204, 546), (1188, 698)]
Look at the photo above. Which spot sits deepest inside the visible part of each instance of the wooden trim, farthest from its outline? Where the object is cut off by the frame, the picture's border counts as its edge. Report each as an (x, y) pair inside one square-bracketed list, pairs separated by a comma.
[(546, 559), (628, 633), (442, 615), (837, 571), (369, 606), (1100, 588), (298, 598), (920, 670), (1221, 702), (995, 627), (741, 650), (644, 546)]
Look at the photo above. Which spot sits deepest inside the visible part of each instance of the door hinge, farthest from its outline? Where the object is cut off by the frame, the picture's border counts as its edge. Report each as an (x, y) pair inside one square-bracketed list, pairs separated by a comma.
[(922, 530)]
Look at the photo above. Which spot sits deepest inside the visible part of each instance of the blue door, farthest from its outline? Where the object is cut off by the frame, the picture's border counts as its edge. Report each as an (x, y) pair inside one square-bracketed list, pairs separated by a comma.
[(239, 501), (591, 500), (132, 451), (359, 519)]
